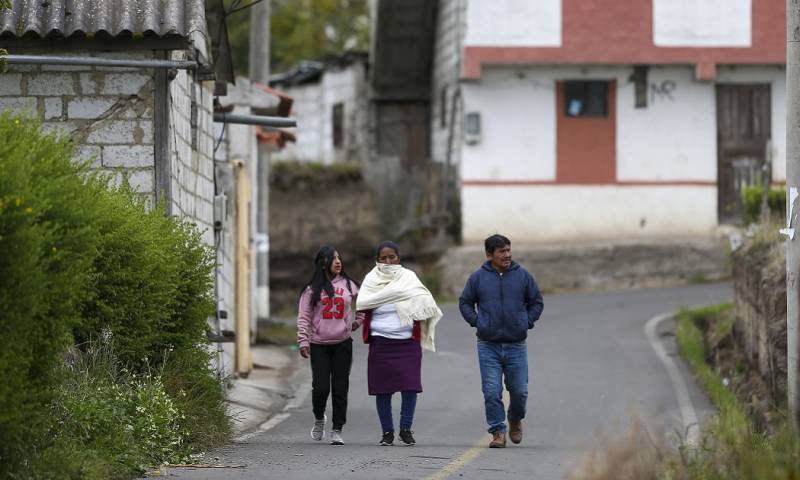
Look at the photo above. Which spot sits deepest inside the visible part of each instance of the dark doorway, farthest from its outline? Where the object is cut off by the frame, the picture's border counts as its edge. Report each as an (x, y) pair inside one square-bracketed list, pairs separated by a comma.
[(743, 132)]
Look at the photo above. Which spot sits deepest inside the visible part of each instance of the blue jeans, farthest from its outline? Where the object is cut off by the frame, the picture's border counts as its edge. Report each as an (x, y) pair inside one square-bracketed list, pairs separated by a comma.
[(496, 361), (383, 402)]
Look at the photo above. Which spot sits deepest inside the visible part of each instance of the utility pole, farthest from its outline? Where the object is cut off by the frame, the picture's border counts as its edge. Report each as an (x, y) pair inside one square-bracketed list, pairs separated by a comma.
[(259, 73), (792, 183)]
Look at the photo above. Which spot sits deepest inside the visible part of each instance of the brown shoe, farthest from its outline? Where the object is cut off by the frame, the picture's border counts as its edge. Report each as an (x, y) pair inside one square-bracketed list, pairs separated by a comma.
[(498, 439), (515, 430)]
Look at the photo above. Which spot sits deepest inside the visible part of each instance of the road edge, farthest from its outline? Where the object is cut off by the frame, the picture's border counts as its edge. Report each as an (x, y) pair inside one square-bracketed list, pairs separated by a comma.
[(688, 414)]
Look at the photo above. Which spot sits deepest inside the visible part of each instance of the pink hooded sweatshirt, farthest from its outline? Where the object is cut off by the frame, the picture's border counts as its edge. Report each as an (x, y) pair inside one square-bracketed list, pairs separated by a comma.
[(331, 319)]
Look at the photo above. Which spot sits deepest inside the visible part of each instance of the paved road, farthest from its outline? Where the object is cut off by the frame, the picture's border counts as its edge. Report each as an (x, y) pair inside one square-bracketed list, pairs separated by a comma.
[(591, 369)]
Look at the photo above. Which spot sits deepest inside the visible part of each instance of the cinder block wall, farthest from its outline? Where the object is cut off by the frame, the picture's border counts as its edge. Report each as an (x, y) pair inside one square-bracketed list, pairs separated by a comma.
[(108, 112), (192, 151)]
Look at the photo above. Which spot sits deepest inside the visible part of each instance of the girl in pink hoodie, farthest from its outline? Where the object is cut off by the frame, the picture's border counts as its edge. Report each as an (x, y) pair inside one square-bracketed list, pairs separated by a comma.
[(324, 322)]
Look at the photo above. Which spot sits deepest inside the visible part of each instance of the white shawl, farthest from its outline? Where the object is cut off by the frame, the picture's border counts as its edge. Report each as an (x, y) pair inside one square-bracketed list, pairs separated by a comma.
[(387, 284)]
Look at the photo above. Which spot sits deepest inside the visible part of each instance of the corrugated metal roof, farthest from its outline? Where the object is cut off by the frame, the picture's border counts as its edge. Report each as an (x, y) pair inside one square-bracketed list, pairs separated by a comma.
[(114, 18)]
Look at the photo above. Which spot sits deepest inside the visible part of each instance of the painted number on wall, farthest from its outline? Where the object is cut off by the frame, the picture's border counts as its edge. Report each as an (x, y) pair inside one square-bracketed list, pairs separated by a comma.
[(662, 91), (333, 308)]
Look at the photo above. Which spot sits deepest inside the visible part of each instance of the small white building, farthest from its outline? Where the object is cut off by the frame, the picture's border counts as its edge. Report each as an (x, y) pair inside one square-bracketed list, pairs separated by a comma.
[(607, 119), (331, 109)]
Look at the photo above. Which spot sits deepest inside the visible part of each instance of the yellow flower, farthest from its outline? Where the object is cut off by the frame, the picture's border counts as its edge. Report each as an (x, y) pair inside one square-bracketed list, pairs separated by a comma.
[(19, 201), (29, 210)]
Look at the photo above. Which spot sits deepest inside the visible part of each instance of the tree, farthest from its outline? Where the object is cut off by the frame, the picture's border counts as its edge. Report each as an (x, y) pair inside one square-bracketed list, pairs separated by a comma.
[(301, 30)]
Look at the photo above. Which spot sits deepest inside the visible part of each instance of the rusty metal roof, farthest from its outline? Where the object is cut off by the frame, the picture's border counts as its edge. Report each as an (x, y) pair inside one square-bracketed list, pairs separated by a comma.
[(33, 19)]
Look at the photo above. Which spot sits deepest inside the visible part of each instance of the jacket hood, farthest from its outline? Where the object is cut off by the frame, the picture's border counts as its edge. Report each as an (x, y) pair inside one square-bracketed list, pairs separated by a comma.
[(487, 265)]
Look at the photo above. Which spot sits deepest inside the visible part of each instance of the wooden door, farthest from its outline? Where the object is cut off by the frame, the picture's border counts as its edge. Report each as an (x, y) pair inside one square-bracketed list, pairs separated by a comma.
[(743, 130), (586, 138)]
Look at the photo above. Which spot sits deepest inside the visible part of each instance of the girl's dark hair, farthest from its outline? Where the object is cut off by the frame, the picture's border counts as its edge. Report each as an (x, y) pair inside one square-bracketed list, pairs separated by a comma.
[(319, 281), (385, 244)]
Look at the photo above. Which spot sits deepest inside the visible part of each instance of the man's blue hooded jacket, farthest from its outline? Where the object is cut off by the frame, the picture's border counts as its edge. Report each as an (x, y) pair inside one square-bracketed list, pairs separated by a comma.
[(507, 303)]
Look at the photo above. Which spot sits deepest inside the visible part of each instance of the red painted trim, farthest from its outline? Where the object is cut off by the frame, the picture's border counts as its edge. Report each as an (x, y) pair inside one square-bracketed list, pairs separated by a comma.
[(620, 32), (619, 183)]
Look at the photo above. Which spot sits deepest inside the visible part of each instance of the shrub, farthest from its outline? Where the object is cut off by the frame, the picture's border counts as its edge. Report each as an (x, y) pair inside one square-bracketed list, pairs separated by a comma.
[(46, 252), (152, 283), (751, 198), (81, 261)]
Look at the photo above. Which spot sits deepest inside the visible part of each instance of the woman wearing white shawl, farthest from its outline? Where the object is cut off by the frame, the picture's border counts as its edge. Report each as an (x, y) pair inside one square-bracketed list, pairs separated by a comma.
[(401, 317)]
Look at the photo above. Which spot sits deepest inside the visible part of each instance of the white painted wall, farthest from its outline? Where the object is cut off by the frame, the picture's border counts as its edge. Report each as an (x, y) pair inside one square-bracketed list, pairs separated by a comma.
[(514, 23), (518, 122), (574, 213), (313, 109), (776, 78), (674, 137), (702, 23)]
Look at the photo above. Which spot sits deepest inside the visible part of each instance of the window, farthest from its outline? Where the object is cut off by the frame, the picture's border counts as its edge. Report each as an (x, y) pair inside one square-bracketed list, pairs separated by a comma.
[(586, 98), (338, 125)]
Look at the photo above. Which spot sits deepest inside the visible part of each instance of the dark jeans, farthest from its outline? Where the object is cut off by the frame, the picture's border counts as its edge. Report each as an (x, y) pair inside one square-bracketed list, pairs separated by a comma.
[(330, 373), (383, 402)]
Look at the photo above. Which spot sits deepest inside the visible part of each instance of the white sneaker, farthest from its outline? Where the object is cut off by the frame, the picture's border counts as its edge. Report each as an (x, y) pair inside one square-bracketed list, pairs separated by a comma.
[(336, 437), (318, 430)]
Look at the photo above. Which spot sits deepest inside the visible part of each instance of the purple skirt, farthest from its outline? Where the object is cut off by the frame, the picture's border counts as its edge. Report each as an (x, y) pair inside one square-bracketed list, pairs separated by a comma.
[(394, 365)]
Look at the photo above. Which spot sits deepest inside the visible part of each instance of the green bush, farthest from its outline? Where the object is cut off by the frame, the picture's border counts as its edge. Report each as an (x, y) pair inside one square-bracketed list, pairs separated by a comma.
[(83, 261), (751, 198), (152, 283), (46, 252)]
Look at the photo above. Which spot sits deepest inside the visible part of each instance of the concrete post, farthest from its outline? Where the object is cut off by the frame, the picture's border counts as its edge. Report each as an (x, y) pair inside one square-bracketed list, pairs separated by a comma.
[(259, 73), (792, 183)]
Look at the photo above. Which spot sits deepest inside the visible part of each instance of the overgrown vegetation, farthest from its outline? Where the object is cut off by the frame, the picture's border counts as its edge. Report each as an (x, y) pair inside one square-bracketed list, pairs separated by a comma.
[(731, 446), (105, 366), (291, 175), (752, 197)]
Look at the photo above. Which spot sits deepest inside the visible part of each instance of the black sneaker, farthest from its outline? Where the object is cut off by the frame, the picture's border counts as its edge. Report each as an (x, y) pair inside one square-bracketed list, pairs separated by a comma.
[(388, 439), (407, 436)]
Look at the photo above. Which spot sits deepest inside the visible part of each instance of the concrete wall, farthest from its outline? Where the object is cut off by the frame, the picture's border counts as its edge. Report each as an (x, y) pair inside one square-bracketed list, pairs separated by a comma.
[(313, 108), (597, 266), (514, 23), (108, 112), (666, 162), (707, 23), (674, 137)]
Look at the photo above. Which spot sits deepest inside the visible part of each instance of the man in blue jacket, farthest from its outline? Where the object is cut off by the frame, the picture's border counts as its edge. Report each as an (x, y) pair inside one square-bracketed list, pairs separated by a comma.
[(502, 301)]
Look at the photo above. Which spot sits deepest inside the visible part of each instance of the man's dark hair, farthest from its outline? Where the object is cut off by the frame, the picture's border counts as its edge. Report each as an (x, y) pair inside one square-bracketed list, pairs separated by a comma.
[(494, 242)]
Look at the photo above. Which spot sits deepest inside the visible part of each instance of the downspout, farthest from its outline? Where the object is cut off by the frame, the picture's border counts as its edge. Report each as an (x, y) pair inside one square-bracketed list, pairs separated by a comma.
[(243, 259)]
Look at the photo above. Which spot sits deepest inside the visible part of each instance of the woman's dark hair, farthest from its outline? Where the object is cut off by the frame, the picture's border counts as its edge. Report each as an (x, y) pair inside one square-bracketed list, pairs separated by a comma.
[(385, 244), (319, 280), (494, 242)]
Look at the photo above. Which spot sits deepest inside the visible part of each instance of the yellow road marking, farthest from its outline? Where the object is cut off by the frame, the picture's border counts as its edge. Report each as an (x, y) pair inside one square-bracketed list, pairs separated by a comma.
[(465, 458), (460, 462)]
